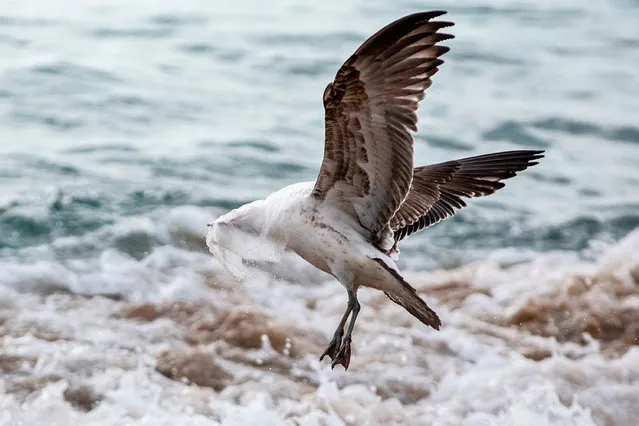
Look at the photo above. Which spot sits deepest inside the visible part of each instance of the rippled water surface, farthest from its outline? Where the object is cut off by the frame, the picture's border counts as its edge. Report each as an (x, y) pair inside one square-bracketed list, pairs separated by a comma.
[(126, 126)]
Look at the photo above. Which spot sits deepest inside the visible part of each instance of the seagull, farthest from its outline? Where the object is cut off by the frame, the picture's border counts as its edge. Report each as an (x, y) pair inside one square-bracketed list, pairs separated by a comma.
[(368, 196)]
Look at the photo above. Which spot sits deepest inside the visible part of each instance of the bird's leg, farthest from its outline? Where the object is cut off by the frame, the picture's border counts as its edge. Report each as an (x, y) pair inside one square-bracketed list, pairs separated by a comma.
[(336, 343), (344, 354)]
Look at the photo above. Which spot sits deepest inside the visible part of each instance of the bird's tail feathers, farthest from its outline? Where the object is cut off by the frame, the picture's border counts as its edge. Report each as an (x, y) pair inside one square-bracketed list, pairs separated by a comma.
[(406, 296)]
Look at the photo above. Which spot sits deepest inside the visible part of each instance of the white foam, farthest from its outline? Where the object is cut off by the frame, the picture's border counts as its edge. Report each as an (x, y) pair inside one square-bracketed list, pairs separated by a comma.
[(469, 373)]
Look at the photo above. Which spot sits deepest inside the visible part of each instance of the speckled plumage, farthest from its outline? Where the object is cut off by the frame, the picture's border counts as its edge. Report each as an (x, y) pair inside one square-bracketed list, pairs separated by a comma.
[(368, 196)]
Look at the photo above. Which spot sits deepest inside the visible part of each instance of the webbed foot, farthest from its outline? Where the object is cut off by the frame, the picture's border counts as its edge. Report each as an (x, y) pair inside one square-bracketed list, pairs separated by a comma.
[(343, 356), (333, 348)]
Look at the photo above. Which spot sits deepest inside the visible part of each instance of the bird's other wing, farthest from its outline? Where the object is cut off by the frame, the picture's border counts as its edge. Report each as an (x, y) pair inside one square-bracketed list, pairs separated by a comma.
[(370, 109), (438, 190)]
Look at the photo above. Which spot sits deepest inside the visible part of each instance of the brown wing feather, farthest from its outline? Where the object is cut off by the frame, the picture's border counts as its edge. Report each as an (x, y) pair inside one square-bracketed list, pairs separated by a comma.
[(438, 190), (369, 111)]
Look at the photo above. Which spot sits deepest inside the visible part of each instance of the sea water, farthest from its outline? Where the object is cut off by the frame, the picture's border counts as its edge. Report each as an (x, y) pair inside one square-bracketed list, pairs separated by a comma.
[(126, 127)]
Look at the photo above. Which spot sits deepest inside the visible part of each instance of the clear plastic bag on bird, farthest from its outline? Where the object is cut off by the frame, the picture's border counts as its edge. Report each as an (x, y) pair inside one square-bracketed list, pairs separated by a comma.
[(231, 262), (240, 251)]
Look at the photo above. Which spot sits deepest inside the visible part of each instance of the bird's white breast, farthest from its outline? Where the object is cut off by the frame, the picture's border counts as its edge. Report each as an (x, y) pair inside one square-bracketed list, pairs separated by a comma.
[(322, 234)]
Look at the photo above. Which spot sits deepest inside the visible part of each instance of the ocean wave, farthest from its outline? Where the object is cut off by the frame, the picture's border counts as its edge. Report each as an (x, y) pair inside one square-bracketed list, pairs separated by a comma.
[(134, 222), (174, 334), (576, 127), (127, 126)]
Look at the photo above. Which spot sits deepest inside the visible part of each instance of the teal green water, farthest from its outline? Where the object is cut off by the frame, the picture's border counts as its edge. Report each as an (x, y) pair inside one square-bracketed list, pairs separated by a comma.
[(127, 125), (111, 112)]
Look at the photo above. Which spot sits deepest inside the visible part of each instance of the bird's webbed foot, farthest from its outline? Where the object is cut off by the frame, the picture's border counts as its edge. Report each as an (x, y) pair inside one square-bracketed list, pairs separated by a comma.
[(340, 347), (333, 348), (343, 356)]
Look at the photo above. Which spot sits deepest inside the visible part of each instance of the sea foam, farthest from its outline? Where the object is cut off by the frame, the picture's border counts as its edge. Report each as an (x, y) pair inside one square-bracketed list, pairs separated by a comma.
[(172, 338)]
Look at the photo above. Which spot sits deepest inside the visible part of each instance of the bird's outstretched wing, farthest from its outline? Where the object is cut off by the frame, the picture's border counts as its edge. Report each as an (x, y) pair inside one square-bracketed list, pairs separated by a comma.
[(437, 190), (369, 113)]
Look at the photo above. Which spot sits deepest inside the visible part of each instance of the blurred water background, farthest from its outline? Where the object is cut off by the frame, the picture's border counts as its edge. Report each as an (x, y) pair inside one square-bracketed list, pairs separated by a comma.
[(125, 126)]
